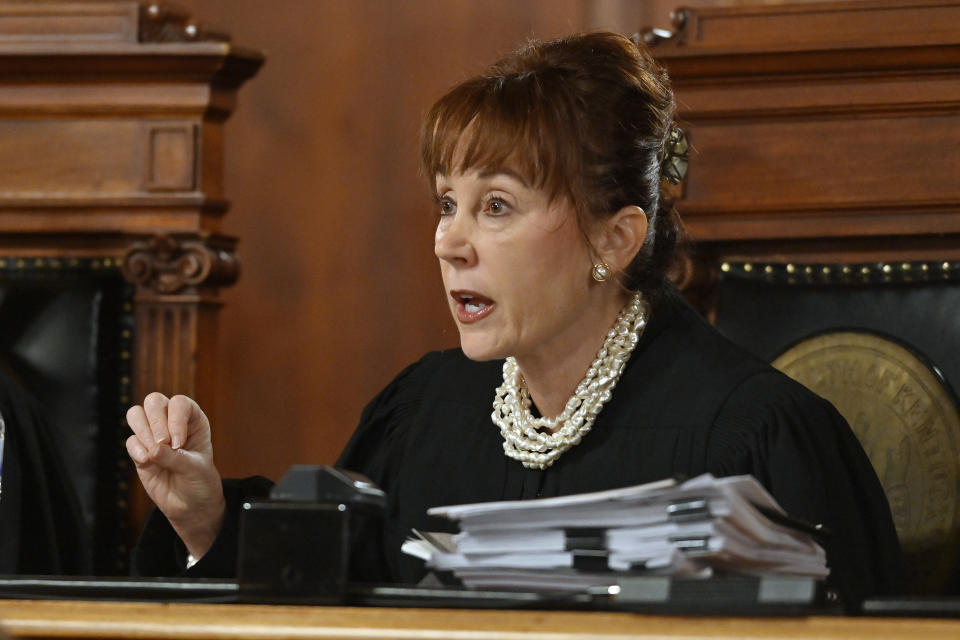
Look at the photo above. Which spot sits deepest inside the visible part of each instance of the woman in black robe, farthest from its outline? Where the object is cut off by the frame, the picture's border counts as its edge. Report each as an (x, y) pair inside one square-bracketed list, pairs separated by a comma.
[(554, 238)]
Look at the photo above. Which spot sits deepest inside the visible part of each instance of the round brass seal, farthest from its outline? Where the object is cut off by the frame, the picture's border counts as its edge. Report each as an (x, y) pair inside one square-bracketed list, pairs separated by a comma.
[(906, 419)]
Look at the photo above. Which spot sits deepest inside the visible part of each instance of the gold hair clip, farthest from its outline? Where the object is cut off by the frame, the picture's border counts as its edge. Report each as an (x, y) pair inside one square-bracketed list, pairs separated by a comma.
[(674, 156)]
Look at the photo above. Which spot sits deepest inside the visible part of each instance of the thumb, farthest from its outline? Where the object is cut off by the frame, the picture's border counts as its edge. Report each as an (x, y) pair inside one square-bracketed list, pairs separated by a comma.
[(176, 461)]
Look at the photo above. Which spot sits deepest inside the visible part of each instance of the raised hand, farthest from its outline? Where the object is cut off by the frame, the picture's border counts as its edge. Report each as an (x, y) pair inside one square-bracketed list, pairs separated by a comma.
[(173, 454)]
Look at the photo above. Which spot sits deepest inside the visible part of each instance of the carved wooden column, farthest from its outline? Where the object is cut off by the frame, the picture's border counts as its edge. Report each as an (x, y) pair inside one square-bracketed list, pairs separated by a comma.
[(176, 310)]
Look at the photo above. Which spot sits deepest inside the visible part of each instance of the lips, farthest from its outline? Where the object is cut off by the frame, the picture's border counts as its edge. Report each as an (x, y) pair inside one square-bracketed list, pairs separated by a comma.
[(471, 306)]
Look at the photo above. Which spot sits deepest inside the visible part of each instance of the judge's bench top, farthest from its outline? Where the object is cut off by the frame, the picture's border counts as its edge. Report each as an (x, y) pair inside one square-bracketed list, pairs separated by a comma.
[(161, 621)]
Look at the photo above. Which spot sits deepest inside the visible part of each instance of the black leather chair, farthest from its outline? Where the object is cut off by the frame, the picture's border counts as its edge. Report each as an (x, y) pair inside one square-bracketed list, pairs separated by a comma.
[(65, 336), (881, 341)]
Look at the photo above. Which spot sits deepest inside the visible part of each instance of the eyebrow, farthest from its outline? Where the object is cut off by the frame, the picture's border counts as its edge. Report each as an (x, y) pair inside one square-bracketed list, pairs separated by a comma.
[(510, 173)]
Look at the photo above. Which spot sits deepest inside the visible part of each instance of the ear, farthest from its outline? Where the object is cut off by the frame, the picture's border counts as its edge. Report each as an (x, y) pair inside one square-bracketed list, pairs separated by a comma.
[(619, 238)]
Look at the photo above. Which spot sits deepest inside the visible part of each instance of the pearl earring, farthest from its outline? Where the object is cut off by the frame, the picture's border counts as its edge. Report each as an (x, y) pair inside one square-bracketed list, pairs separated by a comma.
[(601, 271)]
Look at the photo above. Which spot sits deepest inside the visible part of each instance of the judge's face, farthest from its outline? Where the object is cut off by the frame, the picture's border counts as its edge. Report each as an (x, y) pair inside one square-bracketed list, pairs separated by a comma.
[(515, 266)]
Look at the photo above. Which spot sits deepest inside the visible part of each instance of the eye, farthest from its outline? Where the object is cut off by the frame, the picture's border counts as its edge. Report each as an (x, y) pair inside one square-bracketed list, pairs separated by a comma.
[(496, 206), (446, 206)]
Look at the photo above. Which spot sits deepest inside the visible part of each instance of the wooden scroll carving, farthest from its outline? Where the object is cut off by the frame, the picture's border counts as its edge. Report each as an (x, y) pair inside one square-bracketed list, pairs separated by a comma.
[(166, 266)]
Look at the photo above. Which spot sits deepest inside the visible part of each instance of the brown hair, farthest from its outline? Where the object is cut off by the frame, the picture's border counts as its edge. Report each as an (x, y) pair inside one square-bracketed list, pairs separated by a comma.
[(585, 117)]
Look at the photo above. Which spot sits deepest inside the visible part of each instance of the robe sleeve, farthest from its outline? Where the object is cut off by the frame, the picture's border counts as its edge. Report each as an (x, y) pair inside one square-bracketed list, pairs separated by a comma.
[(159, 552), (376, 450), (42, 530), (803, 451)]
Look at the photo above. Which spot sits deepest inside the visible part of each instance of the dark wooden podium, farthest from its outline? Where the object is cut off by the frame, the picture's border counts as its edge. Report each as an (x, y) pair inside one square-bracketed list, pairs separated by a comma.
[(111, 116), (111, 159)]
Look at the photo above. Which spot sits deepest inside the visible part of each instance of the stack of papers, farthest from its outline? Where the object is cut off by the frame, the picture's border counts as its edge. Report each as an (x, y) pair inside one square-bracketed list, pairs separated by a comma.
[(572, 543)]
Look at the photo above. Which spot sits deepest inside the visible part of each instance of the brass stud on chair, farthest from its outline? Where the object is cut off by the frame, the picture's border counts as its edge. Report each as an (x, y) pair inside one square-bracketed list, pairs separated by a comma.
[(874, 272)]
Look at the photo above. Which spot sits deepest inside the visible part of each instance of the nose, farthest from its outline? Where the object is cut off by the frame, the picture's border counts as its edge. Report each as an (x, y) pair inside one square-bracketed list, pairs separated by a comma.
[(452, 241)]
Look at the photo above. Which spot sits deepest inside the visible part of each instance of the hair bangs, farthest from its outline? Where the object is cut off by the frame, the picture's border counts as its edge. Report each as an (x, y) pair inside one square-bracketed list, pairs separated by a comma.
[(498, 124)]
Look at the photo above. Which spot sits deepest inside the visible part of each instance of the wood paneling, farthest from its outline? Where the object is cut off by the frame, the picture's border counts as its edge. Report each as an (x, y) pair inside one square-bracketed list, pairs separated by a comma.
[(102, 23), (777, 199), (821, 129)]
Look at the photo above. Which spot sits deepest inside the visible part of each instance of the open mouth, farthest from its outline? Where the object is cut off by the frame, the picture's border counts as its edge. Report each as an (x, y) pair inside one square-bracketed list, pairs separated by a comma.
[(471, 305)]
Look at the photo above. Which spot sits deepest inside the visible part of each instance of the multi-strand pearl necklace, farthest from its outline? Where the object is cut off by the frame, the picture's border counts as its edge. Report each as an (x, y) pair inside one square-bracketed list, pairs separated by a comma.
[(538, 442)]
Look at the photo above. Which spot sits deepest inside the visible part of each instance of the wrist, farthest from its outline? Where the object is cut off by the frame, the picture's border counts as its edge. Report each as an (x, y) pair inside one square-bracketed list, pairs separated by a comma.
[(199, 534)]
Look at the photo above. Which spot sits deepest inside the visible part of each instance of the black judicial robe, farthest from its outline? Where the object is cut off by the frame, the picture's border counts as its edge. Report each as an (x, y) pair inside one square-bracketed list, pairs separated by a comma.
[(688, 402), (41, 525)]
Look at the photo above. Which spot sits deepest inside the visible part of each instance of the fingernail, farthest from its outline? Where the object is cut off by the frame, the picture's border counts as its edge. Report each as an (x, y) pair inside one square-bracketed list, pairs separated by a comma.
[(175, 443), (161, 440)]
